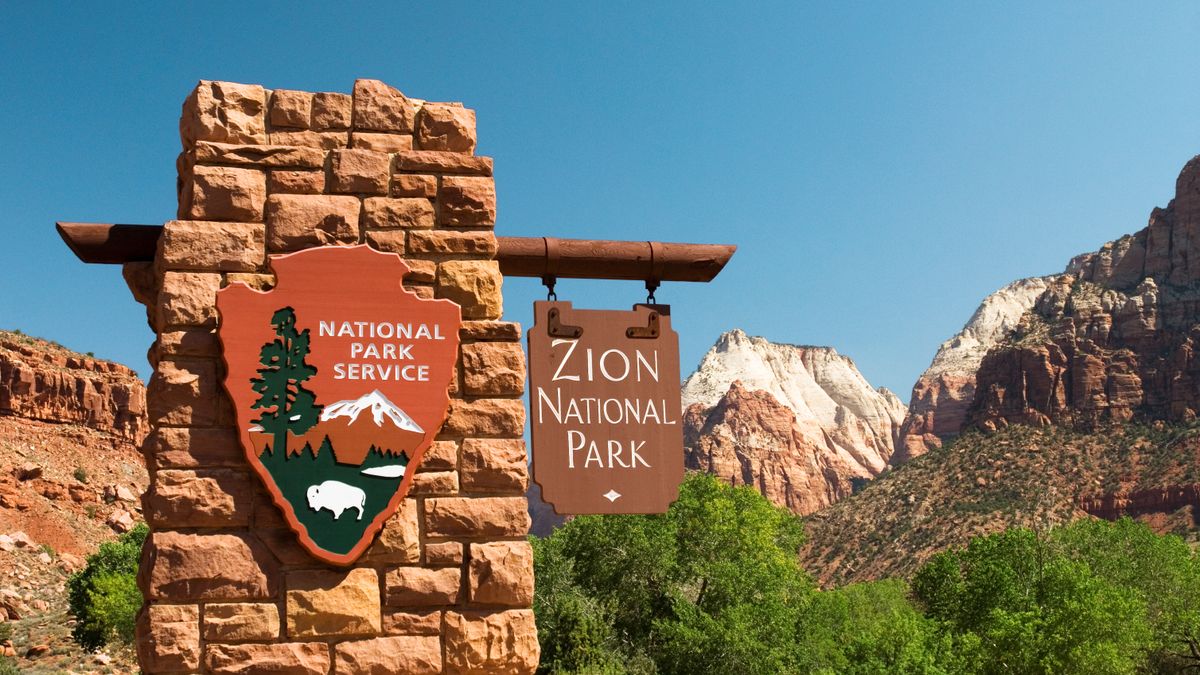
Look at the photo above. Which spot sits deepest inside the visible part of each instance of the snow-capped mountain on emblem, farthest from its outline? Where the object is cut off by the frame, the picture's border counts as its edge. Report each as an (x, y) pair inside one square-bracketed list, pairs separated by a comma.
[(380, 408)]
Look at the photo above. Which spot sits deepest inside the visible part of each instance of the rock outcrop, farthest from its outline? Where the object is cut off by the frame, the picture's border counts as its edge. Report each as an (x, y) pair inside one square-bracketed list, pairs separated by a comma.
[(798, 423), (943, 393), (1114, 338), (750, 438), (41, 380)]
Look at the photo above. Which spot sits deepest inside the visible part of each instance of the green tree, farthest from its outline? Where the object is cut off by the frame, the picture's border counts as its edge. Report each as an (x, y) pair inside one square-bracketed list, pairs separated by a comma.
[(286, 404), (873, 627), (1161, 570), (712, 586), (104, 596), (1033, 609)]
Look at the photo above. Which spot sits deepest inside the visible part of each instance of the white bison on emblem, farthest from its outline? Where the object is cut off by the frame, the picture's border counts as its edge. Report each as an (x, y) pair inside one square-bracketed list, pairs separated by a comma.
[(337, 497)]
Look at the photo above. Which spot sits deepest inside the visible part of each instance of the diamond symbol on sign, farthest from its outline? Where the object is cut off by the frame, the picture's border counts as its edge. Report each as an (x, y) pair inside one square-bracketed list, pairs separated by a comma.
[(611, 495)]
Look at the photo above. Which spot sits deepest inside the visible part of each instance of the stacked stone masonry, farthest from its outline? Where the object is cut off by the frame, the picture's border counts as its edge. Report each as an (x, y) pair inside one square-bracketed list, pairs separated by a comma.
[(448, 584)]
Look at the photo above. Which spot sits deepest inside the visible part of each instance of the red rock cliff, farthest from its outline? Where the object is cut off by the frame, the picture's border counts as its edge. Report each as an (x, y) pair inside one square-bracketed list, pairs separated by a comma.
[(41, 380), (1114, 338)]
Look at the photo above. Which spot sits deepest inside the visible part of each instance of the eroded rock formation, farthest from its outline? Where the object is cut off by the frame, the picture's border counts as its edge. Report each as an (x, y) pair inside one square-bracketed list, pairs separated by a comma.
[(798, 423), (40, 380), (943, 393), (1114, 338)]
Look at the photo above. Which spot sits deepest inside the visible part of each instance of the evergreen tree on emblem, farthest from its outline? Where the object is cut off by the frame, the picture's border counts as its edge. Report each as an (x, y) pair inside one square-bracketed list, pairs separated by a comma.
[(286, 404)]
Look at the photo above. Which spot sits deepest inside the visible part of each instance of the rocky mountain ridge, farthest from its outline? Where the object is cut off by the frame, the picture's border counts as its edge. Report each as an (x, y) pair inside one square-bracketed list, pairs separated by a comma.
[(801, 423), (943, 394), (1114, 338)]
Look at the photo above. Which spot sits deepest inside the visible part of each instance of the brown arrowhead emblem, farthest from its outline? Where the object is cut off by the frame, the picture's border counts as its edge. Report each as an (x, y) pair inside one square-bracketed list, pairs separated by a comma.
[(339, 378)]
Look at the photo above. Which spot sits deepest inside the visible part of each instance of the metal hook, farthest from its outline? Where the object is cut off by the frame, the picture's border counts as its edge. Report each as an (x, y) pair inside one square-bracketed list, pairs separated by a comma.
[(651, 286), (548, 282)]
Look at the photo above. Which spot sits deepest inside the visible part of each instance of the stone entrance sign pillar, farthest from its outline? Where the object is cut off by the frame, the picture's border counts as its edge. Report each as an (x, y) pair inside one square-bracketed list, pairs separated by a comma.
[(448, 584)]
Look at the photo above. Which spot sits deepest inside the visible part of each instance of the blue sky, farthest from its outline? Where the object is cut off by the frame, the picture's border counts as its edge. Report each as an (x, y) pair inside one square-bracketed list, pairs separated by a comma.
[(881, 167)]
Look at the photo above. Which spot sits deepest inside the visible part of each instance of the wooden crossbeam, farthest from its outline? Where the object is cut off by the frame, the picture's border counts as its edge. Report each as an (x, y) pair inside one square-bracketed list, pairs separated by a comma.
[(518, 256)]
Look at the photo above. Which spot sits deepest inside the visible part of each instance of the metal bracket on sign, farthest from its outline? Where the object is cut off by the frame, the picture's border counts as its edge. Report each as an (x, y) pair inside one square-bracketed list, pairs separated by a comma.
[(649, 332), (556, 328)]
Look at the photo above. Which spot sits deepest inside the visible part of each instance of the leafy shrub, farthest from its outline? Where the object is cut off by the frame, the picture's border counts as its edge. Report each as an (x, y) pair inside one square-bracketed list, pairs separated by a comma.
[(81, 474), (8, 666), (104, 596)]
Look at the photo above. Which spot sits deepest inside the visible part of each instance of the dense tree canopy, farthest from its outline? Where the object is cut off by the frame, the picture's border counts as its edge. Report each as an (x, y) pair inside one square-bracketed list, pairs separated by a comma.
[(714, 586)]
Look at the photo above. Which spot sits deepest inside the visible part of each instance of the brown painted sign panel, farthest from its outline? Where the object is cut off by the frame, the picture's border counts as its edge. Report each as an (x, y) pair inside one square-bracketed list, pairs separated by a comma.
[(605, 408), (339, 378)]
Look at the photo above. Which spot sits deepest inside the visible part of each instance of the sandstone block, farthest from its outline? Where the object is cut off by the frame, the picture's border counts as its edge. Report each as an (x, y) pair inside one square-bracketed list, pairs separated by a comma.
[(486, 418), (392, 241), (283, 545), (381, 212), (142, 281), (493, 368), (446, 127), (268, 156), (325, 140), (183, 566), (444, 553), (426, 293), (490, 331), (474, 285), (205, 498), (437, 161), (240, 621), (187, 392), (448, 244), (378, 107), (400, 539), (300, 221), (412, 654), (413, 623), (226, 193), (435, 483), (467, 201), (422, 586), (224, 112), (291, 108), (498, 643), (440, 456), (259, 282), (189, 342), (331, 111), (494, 465), (477, 517), (359, 172), (295, 182), (501, 573), (186, 448), (188, 299), (327, 602), (212, 246), (367, 140), (168, 638), (414, 185), (290, 658), (420, 271)]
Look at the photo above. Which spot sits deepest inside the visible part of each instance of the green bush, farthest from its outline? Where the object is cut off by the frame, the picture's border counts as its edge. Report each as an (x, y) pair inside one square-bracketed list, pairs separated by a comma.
[(104, 596), (81, 474), (8, 666)]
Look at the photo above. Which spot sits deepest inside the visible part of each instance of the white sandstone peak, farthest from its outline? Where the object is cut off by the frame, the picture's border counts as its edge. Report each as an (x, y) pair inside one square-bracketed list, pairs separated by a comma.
[(834, 404), (993, 320)]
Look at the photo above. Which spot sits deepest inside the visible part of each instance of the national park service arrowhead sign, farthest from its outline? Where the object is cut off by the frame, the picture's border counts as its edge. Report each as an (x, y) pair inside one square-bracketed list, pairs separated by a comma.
[(605, 408), (339, 377)]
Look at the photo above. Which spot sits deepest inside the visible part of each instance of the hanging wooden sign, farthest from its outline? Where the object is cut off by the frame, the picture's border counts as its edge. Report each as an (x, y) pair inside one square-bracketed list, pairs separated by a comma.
[(339, 378), (605, 408)]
